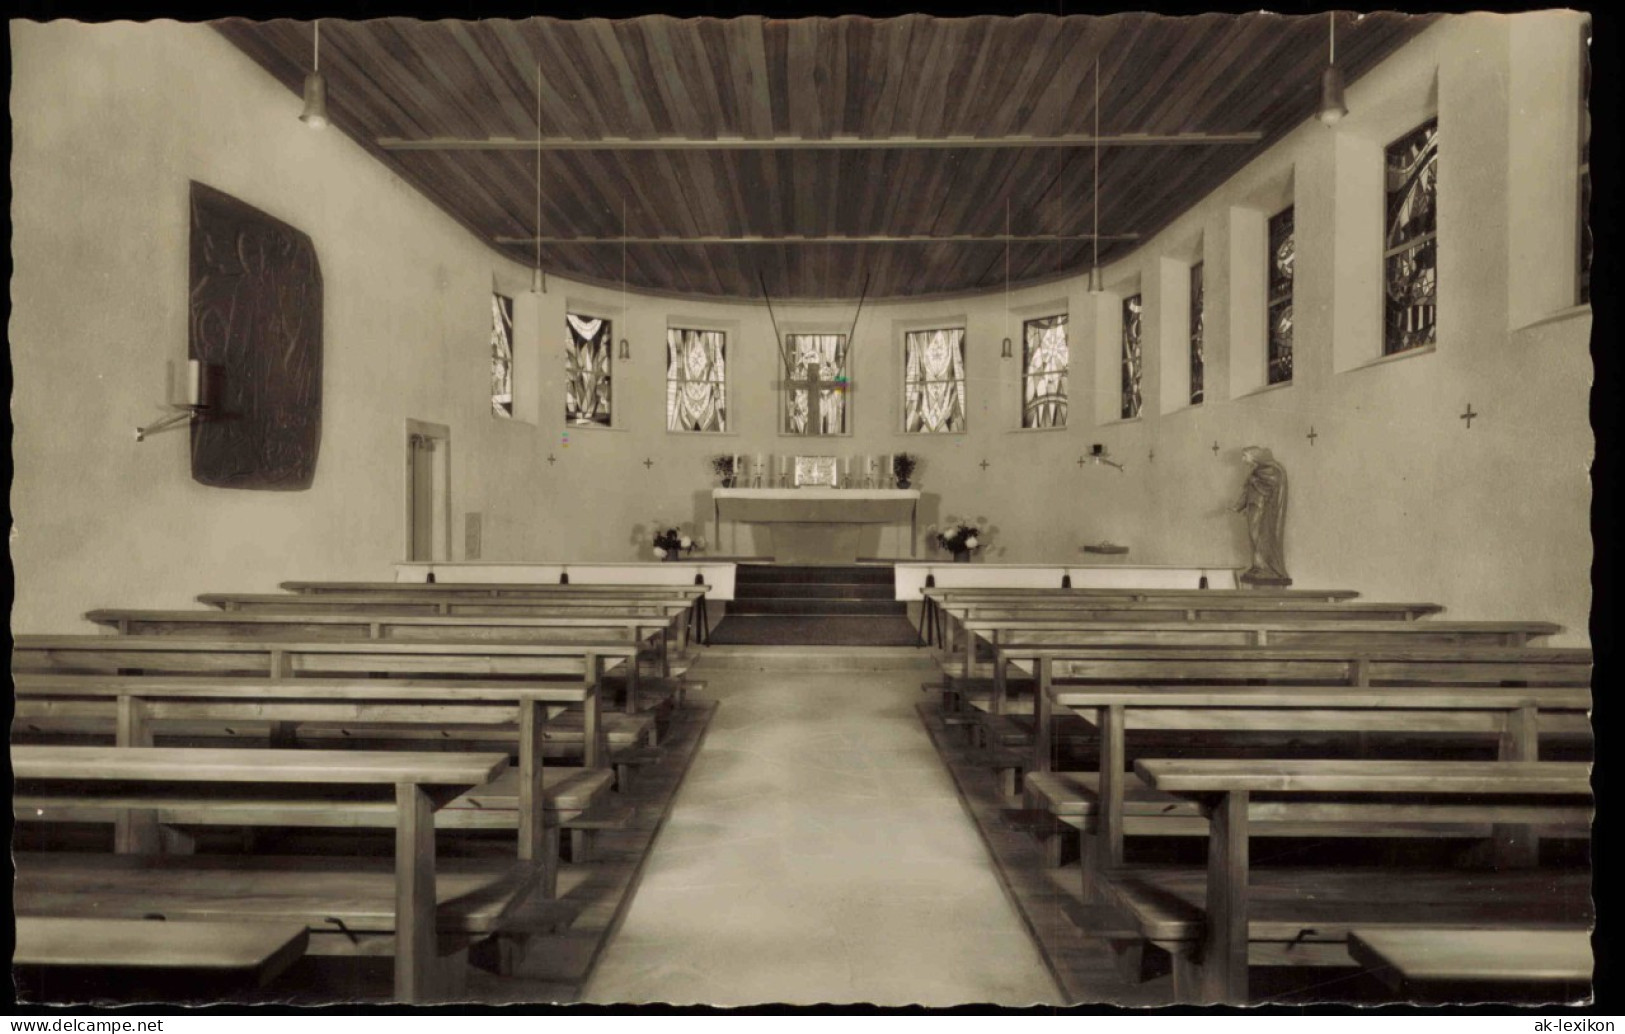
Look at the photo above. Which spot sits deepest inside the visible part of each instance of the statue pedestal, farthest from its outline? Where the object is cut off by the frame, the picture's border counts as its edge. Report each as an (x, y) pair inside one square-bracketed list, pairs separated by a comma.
[(1247, 578)]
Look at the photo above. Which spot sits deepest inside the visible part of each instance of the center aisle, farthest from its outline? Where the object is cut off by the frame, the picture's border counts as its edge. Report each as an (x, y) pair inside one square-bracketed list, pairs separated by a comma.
[(818, 852)]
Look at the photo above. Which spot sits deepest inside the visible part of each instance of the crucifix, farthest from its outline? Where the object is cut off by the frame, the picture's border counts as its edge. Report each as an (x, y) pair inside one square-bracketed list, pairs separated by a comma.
[(1215, 448), (1311, 436), (648, 463), (1468, 416), (551, 460), (814, 385), (984, 464), (1082, 462)]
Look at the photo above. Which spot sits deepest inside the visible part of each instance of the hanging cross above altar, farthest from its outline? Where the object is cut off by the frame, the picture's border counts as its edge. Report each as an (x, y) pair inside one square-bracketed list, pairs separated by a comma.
[(815, 392)]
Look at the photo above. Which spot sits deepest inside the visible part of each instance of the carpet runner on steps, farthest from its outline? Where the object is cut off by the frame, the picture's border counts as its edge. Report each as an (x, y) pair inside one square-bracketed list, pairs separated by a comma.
[(815, 605)]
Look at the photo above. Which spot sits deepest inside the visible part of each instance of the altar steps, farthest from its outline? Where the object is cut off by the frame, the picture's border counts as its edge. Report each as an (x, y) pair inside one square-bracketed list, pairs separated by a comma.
[(806, 604)]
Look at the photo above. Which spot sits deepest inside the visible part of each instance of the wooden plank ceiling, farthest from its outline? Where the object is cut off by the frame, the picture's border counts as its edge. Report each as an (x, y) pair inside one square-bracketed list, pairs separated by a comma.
[(919, 76)]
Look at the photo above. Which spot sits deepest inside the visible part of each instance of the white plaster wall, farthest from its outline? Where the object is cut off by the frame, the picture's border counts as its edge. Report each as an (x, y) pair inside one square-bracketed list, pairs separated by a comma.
[(110, 122), (1396, 497)]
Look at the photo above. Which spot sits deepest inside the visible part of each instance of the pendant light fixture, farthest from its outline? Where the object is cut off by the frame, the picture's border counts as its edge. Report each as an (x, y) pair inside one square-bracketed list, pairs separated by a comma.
[(1332, 106), (538, 285), (1097, 283), (1008, 349), (626, 346), (315, 113)]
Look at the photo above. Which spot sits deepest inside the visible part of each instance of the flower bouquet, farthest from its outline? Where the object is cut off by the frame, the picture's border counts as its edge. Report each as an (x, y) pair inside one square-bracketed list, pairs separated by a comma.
[(902, 466), (961, 538), (671, 543), (724, 468)]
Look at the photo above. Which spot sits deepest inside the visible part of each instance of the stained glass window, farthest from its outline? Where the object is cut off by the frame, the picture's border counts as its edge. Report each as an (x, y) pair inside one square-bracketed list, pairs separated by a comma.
[(586, 364), (1411, 252), (1131, 357), (1196, 334), (1044, 361), (696, 380), (501, 356), (815, 394), (1282, 247), (934, 381)]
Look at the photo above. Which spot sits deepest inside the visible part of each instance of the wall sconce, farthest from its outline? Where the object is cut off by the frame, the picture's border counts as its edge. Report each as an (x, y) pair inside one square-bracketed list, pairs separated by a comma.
[(199, 395), (626, 350), (1332, 105), (1008, 349), (1097, 452)]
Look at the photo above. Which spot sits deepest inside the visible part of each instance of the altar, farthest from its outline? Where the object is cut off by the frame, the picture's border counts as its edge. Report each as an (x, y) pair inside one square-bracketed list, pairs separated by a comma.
[(817, 524)]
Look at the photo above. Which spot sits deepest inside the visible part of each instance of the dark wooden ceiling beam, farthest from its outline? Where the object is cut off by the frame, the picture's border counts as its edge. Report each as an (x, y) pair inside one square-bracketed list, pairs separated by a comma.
[(796, 143)]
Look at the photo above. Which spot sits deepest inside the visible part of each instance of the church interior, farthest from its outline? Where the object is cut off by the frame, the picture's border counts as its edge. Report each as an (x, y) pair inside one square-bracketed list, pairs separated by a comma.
[(603, 511)]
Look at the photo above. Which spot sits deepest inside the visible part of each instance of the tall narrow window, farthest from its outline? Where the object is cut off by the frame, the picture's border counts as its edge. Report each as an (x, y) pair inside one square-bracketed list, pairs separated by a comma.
[(815, 394), (1196, 334), (1585, 169), (1044, 360), (696, 380), (934, 381), (1411, 251), (1282, 253), (586, 364), (501, 356), (1131, 357)]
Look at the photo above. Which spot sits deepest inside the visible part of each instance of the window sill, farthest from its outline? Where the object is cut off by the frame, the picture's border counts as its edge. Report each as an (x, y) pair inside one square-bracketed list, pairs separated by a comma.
[(1560, 316), (703, 434), (1265, 389), (1384, 360), (594, 428), (1115, 421), (1036, 430), (1186, 408)]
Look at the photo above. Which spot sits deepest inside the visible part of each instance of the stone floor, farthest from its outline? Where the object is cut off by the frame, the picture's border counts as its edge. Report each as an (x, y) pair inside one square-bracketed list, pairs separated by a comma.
[(818, 852)]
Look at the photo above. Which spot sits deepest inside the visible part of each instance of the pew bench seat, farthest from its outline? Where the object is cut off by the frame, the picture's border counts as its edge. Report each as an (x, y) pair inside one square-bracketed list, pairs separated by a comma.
[(1074, 799), (567, 793), (1550, 965), (252, 953), (1304, 916), (347, 904)]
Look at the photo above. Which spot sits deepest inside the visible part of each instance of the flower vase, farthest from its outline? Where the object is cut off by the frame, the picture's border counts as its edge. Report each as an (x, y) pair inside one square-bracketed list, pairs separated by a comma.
[(962, 556), (728, 482), (902, 482), (673, 555)]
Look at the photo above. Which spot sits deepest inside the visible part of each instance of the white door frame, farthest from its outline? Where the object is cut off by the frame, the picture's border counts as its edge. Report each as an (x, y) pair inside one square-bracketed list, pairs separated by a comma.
[(440, 436)]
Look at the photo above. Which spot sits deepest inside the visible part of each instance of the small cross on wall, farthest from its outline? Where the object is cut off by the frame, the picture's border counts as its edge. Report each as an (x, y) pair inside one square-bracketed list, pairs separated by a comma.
[(1082, 461), (985, 464), (1311, 436), (551, 459), (1151, 457), (647, 464), (1468, 416), (1215, 448)]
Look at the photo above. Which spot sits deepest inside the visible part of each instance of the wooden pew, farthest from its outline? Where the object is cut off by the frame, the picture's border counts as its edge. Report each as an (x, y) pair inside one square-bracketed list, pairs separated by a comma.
[(1351, 665), (1470, 965), (76, 952), (583, 661), (1210, 921), (498, 589), (651, 632), (1110, 802), (683, 611), (415, 784), (1019, 632), (935, 599), (1234, 608), (534, 799)]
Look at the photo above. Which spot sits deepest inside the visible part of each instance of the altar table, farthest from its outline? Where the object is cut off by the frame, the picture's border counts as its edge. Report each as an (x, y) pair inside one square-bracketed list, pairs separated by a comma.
[(817, 506)]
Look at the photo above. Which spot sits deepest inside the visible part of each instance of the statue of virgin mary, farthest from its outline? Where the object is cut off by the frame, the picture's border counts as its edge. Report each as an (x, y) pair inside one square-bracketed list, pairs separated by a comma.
[(1263, 500)]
